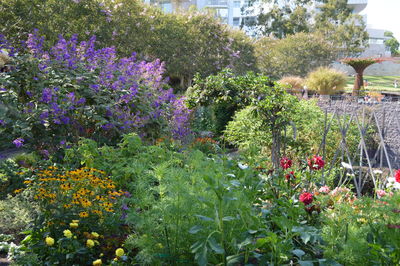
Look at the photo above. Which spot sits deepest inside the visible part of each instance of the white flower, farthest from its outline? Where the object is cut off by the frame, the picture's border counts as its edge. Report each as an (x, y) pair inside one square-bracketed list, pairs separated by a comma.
[(377, 171), (346, 165), (243, 166)]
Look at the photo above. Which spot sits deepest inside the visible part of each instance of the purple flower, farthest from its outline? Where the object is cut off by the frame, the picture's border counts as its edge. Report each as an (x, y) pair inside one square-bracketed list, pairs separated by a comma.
[(19, 142), (45, 154), (46, 95)]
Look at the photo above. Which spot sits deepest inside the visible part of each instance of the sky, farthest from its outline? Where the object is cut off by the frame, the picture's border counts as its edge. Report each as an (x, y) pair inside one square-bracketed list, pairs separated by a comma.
[(384, 14)]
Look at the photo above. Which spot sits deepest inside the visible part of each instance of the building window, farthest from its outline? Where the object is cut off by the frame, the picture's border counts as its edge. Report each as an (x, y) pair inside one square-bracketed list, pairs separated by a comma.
[(249, 20), (236, 4), (236, 21)]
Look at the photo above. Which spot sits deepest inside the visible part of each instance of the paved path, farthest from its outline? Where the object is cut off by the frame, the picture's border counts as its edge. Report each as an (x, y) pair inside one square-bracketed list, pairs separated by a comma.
[(10, 153)]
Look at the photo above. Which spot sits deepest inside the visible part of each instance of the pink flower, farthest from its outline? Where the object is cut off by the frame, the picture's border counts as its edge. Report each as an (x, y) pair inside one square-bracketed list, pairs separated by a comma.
[(286, 163), (316, 162), (306, 198), (381, 193), (324, 189)]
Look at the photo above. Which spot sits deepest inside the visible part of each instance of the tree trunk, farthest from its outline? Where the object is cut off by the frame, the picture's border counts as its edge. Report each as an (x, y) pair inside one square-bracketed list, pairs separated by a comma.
[(276, 147), (358, 83)]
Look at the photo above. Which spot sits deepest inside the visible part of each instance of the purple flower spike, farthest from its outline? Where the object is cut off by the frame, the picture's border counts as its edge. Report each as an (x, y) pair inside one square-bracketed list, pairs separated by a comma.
[(19, 142)]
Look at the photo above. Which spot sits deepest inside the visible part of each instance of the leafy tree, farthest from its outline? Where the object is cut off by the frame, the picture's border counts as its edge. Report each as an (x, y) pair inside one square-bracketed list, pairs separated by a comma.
[(334, 19), (392, 43), (297, 54), (54, 18)]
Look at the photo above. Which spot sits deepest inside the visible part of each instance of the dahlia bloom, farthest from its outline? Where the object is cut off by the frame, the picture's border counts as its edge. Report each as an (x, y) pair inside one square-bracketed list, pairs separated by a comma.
[(306, 198), (286, 163), (316, 162)]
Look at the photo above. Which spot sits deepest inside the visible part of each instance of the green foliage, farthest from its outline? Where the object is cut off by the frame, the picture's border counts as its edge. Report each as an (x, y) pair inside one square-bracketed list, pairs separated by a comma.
[(334, 20), (186, 207), (296, 54), (363, 232), (326, 81), (52, 18), (303, 136), (392, 43), (17, 215), (227, 93), (11, 178)]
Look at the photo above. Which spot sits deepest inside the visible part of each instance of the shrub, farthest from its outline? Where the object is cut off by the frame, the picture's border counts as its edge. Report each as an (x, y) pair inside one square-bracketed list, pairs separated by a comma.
[(294, 82), (80, 216), (73, 90), (326, 80)]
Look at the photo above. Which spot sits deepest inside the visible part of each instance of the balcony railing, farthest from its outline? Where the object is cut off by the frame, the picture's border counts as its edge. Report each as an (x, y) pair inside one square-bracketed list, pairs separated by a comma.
[(357, 2), (217, 2)]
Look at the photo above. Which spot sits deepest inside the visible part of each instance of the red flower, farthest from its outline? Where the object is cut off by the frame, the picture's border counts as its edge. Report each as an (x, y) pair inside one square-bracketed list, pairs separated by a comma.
[(316, 162), (290, 176), (286, 163), (306, 198), (397, 176)]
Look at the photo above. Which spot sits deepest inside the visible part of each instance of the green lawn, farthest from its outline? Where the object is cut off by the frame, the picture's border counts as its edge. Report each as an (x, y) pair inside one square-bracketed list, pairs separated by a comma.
[(377, 83)]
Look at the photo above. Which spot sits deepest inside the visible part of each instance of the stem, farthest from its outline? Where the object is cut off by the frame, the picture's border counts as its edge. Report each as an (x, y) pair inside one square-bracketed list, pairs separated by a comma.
[(221, 227)]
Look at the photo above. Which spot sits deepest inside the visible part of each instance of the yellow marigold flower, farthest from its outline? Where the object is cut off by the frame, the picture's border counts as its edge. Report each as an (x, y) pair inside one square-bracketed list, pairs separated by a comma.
[(75, 221), (90, 243), (67, 206), (49, 241), (95, 235), (18, 190), (97, 262), (27, 181), (119, 252), (73, 225), (67, 233), (83, 214)]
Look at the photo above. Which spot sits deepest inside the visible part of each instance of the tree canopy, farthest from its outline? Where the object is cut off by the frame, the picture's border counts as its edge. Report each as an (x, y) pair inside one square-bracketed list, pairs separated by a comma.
[(188, 42), (296, 54), (332, 18)]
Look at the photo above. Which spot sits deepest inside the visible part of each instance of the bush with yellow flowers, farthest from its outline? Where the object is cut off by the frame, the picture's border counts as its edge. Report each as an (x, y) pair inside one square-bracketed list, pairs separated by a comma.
[(80, 221)]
